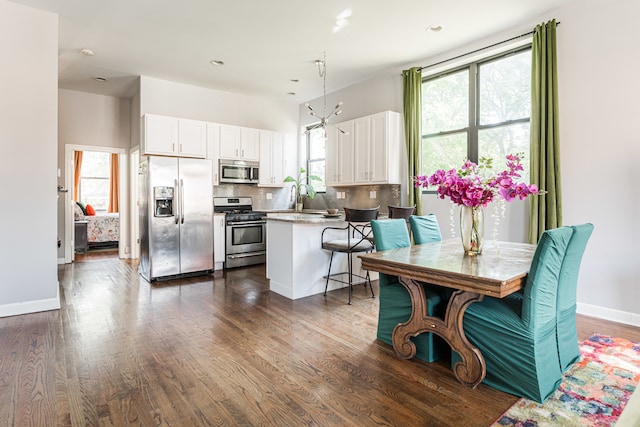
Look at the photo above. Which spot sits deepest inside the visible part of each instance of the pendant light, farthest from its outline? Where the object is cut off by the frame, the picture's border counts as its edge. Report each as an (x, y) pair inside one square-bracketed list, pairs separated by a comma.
[(324, 119)]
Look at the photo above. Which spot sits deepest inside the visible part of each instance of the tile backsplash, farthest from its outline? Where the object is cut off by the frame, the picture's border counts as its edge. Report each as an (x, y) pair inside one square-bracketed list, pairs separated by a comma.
[(282, 198)]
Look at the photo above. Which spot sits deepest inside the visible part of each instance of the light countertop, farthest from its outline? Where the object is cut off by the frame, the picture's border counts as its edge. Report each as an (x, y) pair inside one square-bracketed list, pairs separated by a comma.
[(304, 217)]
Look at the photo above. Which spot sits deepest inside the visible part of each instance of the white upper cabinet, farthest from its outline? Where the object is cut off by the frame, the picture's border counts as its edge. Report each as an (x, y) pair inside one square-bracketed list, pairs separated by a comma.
[(239, 143), (377, 149), (192, 138), (339, 155), (170, 136), (277, 158), (213, 148)]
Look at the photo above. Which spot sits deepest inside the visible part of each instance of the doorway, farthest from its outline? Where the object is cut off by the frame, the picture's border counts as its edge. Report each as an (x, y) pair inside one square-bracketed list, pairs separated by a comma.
[(102, 222)]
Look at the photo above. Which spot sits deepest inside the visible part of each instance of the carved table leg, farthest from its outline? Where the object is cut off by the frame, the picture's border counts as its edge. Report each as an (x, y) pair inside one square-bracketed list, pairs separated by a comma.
[(472, 369)]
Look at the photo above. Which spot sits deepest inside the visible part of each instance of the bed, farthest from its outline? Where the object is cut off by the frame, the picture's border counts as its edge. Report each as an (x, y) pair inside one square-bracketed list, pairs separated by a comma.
[(103, 229)]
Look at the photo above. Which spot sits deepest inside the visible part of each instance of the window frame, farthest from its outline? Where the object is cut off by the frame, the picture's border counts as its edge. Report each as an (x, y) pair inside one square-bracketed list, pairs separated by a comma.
[(96, 178), (474, 127)]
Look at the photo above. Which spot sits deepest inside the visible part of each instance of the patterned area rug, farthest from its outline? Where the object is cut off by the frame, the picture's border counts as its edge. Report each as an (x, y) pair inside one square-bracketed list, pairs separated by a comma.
[(594, 390)]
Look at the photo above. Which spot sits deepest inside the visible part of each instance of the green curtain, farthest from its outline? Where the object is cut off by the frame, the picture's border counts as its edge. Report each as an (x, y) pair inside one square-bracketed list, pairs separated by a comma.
[(545, 210), (412, 96)]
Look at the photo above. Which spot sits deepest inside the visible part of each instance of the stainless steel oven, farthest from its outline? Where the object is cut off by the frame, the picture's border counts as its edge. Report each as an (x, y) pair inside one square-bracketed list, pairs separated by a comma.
[(246, 242), (246, 231)]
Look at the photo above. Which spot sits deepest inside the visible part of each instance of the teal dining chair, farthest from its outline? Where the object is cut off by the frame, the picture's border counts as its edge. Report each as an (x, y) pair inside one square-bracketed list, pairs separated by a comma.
[(395, 302), (566, 329), (517, 335), (425, 229), (567, 333)]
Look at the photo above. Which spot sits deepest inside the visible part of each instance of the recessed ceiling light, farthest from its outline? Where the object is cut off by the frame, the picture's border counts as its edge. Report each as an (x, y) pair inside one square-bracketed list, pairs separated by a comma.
[(216, 62), (435, 28), (87, 52), (100, 79)]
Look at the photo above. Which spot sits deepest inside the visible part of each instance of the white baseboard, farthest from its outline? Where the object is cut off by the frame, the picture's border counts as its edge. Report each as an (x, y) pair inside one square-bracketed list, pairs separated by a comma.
[(605, 313), (29, 307), (61, 261)]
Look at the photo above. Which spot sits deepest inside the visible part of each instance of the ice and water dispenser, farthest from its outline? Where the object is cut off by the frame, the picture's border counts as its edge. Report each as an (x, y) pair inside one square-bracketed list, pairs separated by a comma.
[(163, 201)]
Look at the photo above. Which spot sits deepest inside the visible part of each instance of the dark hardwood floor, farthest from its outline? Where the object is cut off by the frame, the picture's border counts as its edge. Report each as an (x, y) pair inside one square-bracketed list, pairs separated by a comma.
[(222, 350)]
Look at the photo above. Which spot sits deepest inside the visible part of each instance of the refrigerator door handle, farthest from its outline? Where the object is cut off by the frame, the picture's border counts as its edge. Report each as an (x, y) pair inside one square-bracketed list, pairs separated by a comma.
[(177, 200), (181, 202)]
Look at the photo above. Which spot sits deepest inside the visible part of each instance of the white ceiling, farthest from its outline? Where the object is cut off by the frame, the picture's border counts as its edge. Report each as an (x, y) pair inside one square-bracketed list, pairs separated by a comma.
[(264, 44)]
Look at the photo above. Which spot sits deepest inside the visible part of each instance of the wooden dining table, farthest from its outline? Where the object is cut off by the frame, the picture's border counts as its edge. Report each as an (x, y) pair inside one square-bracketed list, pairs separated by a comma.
[(499, 271)]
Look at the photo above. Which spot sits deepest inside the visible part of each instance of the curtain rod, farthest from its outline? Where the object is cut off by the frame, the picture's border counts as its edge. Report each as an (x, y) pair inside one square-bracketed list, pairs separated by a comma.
[(481, 49)]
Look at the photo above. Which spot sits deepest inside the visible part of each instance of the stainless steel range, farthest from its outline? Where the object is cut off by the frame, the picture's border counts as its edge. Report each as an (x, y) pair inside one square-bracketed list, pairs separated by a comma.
[(246, 237)]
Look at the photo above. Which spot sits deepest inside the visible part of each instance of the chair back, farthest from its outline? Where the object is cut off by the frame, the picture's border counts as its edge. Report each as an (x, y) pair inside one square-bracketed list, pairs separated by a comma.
[(567, 333), (390, 234), (425, 229), (360, 215), (540, 292), (401, 211)]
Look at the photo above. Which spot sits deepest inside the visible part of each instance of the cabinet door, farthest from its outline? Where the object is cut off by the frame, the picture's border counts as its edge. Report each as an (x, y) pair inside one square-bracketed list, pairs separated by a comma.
[(332, 157), (219, 234), (229, 142), (213, 149), (192, 138), (249, 144), (160, 135), (378, 162), (277, 159), (266, 162), (289, 156), (346, 153), (362, 149)]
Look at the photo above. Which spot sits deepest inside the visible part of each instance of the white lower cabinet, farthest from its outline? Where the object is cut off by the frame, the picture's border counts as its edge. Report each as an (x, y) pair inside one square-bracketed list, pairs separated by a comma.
[(219, 241)]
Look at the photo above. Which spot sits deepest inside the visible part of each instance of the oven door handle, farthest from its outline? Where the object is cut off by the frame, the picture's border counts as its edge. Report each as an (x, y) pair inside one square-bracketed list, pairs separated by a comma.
[(246, 222)]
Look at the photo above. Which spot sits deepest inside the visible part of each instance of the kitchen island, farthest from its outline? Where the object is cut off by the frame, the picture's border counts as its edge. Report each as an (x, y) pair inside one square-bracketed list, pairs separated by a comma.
[(296, 262)]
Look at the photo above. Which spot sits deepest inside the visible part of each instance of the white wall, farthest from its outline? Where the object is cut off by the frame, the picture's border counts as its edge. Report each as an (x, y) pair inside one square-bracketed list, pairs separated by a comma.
[(87, 119), (598, 91), (28, 129), (193, 102)]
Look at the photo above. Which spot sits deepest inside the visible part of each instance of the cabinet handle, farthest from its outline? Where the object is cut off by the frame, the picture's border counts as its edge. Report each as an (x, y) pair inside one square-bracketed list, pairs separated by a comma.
[(181, 148), (173, 146), (236, 152), (242, 153)]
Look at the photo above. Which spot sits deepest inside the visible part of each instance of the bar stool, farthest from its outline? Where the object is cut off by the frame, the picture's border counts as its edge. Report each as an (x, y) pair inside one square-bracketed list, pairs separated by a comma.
[(401, 211), (355, 238)]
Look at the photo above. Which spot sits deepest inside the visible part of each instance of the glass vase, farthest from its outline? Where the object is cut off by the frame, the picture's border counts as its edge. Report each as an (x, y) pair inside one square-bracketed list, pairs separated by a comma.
[(472, 229)]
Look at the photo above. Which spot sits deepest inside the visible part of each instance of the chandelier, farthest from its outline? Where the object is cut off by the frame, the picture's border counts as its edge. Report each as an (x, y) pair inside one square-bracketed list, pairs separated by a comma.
[(324, 119)]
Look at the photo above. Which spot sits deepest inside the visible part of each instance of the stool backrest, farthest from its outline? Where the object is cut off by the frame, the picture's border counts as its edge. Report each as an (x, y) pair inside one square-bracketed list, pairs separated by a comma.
[(401, 211), (360, 215)]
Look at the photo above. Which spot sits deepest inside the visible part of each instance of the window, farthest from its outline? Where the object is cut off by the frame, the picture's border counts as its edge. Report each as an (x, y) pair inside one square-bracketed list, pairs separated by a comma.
[(94, 179), (480, 110), (316, 149)]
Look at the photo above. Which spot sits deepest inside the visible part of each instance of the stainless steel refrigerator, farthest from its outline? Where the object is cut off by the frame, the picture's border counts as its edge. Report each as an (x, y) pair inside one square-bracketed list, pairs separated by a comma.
[(176, 217)]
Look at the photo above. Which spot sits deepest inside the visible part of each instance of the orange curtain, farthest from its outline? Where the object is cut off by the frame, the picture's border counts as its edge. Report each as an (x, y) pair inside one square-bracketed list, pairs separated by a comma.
[(77, 168), (113, 184)]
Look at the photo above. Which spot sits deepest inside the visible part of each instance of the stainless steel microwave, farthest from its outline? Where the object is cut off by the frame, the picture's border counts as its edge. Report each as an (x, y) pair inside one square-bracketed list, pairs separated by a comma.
[(239, 172)]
